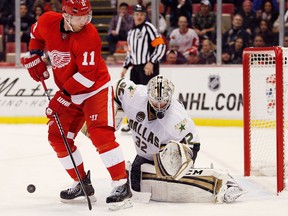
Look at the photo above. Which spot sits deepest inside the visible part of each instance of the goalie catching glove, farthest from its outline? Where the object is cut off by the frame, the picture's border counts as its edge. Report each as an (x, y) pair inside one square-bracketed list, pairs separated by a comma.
[(174, 160), (58, 103), (36, 67)]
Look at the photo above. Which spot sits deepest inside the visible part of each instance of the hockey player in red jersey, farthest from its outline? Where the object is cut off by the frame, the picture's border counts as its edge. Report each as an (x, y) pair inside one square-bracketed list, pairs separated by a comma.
[(85, 94)]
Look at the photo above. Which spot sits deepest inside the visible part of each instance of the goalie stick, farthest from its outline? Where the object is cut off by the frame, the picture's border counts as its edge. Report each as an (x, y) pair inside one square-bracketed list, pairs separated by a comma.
[(67, 146)]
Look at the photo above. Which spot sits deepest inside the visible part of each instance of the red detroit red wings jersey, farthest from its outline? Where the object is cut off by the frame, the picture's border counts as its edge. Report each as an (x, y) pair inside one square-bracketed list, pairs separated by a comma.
[(76, 59)]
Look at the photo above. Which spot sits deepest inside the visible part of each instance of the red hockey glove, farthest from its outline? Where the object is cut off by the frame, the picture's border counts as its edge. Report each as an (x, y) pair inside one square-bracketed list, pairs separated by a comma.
[(57, 103), (36, 67)]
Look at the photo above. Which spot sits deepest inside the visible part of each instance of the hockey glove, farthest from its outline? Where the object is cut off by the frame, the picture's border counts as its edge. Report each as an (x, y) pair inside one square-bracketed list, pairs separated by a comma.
[(36, 67), (57, 104), (174, 160)]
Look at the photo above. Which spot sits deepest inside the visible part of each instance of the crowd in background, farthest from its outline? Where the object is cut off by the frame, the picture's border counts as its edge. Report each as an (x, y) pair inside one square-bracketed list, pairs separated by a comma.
[(30, 10), (190, 35)]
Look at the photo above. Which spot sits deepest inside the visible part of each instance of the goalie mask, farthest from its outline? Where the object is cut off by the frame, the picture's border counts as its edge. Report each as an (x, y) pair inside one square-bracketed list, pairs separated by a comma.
[(76, 12), (160, 91)]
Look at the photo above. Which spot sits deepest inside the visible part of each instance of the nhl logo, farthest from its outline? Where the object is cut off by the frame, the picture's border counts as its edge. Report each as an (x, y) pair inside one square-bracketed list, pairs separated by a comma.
[(64, 36), (140, 116), (214, 82), (139, 35)]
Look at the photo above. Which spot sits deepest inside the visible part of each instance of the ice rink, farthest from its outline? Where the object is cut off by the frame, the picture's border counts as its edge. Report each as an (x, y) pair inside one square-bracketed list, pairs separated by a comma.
[(27, 158)]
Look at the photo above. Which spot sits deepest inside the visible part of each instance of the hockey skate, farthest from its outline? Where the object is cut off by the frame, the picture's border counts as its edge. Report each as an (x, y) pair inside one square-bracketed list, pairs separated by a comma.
[(120, 196), (75, 194), (233, 191)]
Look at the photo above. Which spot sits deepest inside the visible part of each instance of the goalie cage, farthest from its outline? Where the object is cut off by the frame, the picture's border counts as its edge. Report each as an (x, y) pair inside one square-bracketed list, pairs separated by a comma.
[(265, 95)]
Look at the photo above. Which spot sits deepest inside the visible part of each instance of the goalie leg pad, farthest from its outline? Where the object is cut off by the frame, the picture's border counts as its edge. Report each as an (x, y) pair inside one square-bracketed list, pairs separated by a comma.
[(186, 190), (198, 185), (174, 160)]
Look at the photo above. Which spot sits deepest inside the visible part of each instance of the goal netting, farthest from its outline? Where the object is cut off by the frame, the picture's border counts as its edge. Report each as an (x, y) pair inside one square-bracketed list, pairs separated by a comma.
[(265, 80)]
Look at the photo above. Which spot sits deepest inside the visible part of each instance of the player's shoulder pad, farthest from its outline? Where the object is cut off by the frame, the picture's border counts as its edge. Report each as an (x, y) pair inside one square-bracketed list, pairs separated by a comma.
[(88, 37), (49, 16), (121, 86), (179, 118)]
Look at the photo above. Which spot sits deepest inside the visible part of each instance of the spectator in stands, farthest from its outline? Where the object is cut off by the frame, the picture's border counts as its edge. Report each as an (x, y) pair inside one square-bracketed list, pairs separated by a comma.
[(286, 40), (257, 4), (29, 4), (26, 21), (204, 22), (6, 11), (162, 24), (111, 60), (276, 24), (193, 57), (181, 59), (178, 8), (55, 6), (267, 12), (226, 57), (236, 51), (38, 11), (258, 41), (49, 5), (184, 37), (235, 31), (207, 54), (171, 57), (174, 57), (43, 3), (265, 30), (249, 17), (119, 26)]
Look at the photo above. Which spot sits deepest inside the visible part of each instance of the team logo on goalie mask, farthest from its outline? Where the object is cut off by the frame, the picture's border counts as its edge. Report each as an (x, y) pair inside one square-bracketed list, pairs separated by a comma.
[(214, 82)]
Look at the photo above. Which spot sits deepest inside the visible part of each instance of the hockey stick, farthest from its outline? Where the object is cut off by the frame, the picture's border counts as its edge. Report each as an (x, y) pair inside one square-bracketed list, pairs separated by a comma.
[(67, 146)]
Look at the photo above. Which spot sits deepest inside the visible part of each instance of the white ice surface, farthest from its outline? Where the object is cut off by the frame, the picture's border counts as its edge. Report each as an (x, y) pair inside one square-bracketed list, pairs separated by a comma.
[(27, 158)]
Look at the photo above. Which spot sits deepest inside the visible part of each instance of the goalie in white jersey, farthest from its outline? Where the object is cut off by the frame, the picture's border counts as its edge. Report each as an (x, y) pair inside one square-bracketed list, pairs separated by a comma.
[(165, 136), (153, 124)]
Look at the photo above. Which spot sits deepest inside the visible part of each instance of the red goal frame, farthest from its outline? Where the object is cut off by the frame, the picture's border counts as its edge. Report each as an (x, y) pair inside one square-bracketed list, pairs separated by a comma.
[(279, 112)]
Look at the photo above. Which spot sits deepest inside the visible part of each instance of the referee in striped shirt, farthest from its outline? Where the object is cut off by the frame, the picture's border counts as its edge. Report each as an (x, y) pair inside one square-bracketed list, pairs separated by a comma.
[(146, 47)]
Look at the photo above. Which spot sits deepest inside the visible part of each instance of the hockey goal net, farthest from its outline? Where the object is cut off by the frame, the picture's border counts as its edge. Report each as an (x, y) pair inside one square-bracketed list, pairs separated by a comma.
[(265, 80)]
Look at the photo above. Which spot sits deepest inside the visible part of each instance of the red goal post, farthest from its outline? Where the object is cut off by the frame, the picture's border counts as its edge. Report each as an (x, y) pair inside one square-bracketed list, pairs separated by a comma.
[(265, 105)]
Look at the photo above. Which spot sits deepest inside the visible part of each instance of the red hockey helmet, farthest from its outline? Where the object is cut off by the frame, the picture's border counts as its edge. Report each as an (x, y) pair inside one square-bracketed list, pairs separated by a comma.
[(76, 7)]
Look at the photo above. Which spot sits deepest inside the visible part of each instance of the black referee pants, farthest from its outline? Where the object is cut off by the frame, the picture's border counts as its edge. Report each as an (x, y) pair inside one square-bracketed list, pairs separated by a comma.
[(138, 76)]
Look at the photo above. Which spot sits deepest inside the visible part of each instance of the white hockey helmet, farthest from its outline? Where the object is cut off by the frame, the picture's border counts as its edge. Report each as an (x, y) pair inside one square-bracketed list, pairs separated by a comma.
[(160, 91)]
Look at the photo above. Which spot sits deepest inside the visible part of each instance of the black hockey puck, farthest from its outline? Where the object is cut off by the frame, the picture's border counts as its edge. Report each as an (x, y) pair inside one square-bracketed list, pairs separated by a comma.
[(31, 188)]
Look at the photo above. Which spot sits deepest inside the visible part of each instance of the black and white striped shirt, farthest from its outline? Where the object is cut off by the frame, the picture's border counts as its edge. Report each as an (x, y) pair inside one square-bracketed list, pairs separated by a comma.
[(145, 45)]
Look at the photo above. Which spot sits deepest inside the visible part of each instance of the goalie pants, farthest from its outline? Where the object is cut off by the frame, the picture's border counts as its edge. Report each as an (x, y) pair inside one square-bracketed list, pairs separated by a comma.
[(136, 171), (98, 112)]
